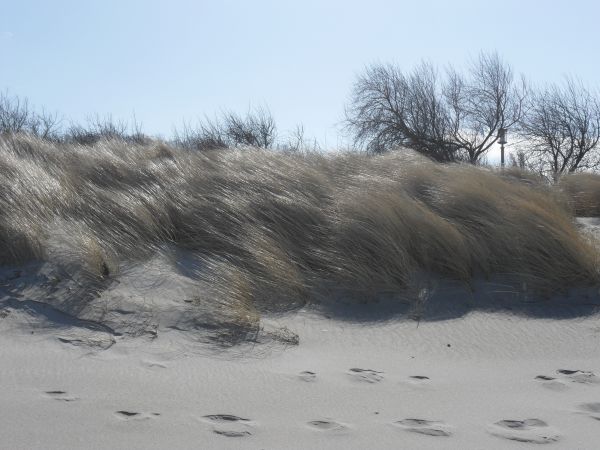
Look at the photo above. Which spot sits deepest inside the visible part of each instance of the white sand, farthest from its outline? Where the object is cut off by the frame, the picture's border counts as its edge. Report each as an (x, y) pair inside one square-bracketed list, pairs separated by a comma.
[(64, 386), (486, 375)]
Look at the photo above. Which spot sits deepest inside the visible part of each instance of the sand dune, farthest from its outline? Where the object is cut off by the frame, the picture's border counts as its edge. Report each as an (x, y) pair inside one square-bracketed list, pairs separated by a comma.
[(372, 378), (151, 298)]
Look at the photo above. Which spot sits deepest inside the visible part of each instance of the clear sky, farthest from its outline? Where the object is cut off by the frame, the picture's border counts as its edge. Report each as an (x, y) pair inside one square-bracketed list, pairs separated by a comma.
[(169, 61)]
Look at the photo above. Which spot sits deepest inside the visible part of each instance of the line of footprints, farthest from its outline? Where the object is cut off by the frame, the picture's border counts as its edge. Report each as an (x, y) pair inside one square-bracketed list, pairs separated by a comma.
[(525, 430)]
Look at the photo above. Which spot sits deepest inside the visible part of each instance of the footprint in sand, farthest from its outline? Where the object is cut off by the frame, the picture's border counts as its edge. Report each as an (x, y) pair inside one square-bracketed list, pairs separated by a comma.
[(134, 415), (61, 396), (365, 375), (533, 431), (579, 376), (590, 409), (228, 425), (551, 383), (307, 376), (127, 414), (327, 425), (423, 426), (419, 381)]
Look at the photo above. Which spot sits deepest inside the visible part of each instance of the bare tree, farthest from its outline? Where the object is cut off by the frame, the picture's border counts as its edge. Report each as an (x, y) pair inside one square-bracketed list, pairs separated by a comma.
[(455, 117), (256, 129), (563, 128), (389, 109)]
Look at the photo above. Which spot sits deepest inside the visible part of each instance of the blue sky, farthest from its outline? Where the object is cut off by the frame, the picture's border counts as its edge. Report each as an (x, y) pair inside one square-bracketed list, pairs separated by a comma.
[(179, 60)]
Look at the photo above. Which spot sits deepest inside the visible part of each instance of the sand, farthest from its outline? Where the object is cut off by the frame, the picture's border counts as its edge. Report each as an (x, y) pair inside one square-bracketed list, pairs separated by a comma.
[(436, 384)]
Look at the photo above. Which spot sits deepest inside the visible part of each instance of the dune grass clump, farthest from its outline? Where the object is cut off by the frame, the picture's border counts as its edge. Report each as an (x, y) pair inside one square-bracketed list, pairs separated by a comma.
[(583, 190), (274, 228)]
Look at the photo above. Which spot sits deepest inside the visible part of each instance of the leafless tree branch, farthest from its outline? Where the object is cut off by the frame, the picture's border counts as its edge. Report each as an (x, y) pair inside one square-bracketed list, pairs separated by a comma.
[(450, 118), (563, 128)]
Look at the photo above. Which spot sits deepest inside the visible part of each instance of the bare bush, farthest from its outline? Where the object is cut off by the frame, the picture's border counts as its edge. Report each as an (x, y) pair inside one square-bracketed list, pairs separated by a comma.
[(230, 130), (46, 125), (297, 142), (456, 117), (105, 127), (257, 129), (17, 116)]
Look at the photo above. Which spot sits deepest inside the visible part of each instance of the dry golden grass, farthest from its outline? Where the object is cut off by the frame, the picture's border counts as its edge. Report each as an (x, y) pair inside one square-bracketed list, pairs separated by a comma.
[(583, 190), (272, 228)]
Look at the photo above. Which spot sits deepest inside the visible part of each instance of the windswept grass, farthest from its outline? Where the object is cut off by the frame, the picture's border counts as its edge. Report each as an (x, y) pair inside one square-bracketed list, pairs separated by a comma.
[(271, 228), (584, 191)]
